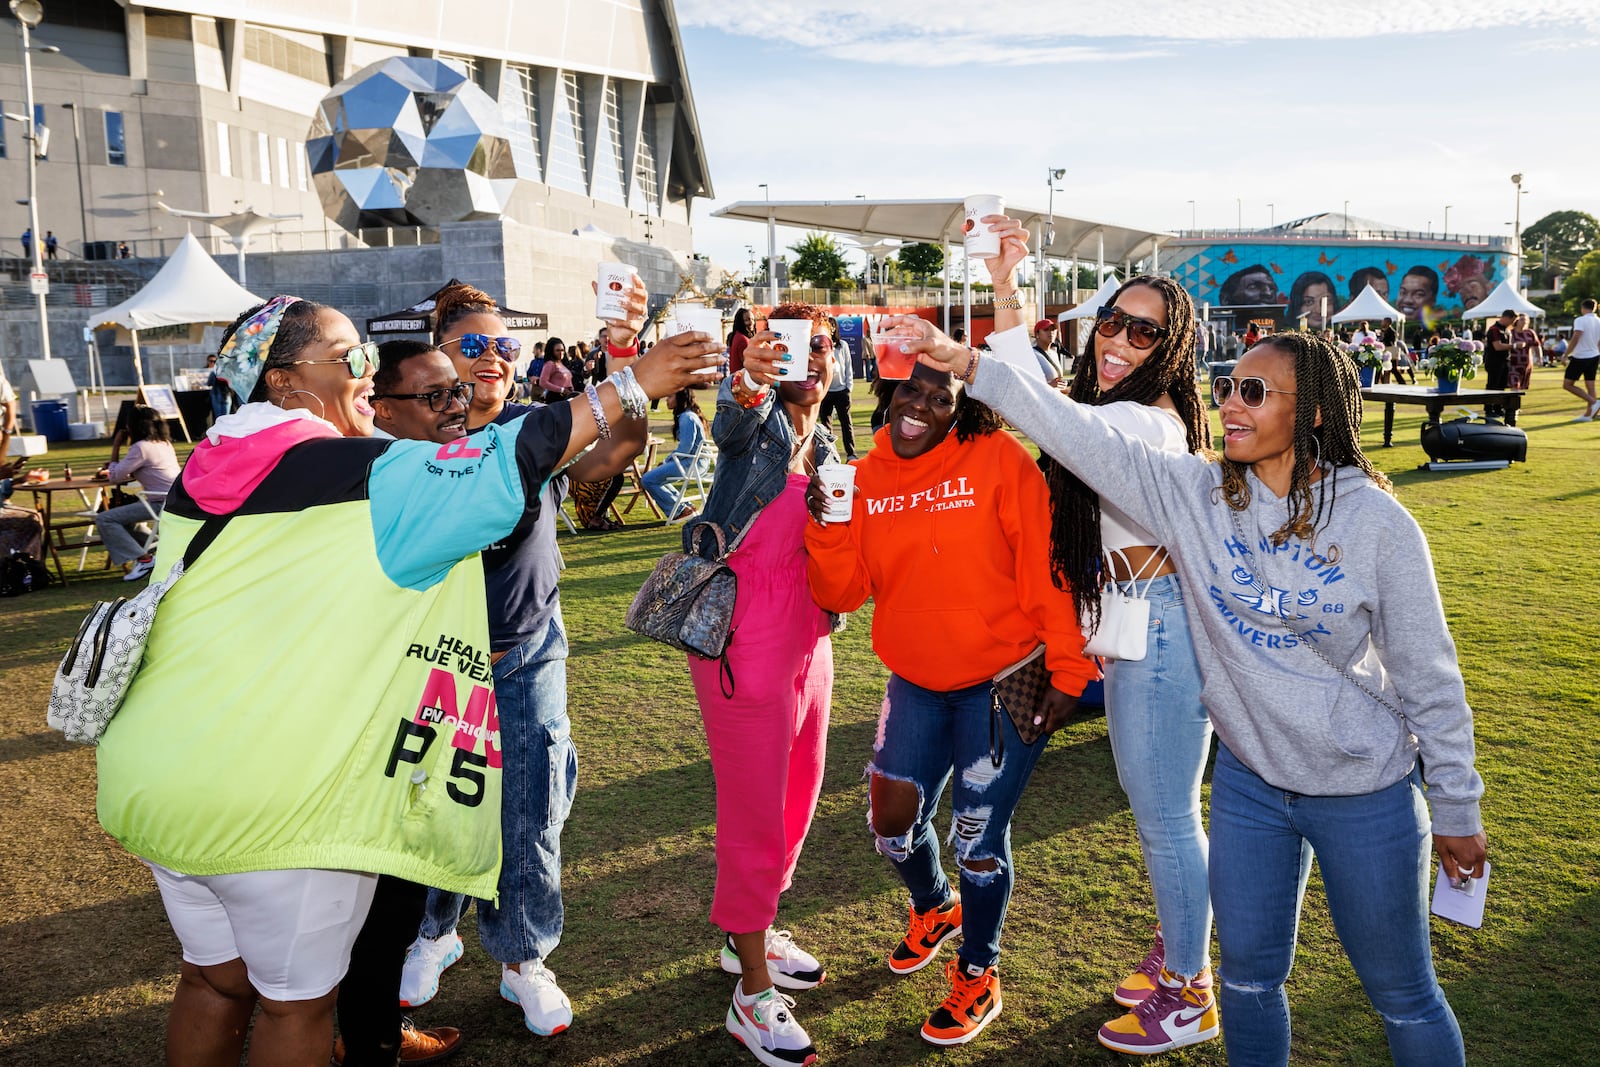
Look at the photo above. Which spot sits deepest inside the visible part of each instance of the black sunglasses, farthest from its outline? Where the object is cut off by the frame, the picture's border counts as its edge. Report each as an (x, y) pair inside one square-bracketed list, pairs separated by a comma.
[(438, 399), (1142, 333), (1252, 391), (474, 345)]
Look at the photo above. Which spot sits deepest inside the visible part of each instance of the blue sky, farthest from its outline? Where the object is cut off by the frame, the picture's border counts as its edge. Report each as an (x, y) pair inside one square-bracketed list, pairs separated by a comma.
[(1398, 107)]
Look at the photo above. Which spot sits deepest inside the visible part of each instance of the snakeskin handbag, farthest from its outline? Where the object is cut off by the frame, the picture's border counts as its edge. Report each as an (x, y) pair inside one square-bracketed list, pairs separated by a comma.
[(687, 602), (106, 655)]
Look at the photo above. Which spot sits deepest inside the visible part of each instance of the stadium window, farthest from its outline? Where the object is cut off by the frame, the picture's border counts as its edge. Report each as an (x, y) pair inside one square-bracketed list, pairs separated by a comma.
[(224, 151), (116, 140)]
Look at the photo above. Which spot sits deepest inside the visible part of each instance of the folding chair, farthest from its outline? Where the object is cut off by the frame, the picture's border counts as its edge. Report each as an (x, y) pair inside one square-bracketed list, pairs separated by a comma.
[(694, 484), (634, 489)]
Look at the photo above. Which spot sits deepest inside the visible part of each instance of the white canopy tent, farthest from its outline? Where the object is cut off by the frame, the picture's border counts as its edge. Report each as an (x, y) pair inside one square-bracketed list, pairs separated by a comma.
[(939, 222), (1369, 306), (189, 290), (1504, 298), (1093, 303)]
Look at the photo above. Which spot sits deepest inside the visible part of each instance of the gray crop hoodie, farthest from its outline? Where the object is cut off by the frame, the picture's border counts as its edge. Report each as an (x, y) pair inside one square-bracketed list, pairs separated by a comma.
[(1374, 611)]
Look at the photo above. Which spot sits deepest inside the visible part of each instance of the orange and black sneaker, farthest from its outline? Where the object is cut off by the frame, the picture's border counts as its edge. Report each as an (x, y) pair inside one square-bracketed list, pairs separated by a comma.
[(928, 932), (973, 1001)]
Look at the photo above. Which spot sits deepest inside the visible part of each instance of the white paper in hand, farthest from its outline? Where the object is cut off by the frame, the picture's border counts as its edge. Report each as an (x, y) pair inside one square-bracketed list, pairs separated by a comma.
[(1461, 905), (1015, 346)]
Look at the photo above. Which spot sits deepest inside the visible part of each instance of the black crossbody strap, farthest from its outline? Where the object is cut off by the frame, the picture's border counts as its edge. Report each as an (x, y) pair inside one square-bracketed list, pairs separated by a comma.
[(202, 540)]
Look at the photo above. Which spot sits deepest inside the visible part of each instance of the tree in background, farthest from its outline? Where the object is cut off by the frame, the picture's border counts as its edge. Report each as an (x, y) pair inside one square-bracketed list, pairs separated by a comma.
[(921, 261), (1570, 235), (818, 259), (1582, 284)]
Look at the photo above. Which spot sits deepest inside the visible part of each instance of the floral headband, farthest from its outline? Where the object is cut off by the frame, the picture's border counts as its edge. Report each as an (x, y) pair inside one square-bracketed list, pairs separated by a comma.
[(244, 358)]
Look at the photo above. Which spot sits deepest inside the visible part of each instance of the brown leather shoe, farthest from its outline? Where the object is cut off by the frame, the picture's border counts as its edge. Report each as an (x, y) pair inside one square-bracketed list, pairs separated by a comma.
[(416, 1046)]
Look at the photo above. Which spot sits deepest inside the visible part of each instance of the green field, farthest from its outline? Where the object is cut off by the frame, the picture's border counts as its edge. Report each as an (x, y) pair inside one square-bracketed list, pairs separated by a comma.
[(90, 963)]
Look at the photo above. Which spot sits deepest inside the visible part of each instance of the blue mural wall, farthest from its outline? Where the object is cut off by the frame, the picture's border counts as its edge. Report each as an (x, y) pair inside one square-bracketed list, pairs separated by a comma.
[(1308, 280)]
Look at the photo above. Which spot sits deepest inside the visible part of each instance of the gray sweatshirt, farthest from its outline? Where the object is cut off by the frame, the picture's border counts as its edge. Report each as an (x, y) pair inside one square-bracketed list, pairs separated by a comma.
[(1375, 611)]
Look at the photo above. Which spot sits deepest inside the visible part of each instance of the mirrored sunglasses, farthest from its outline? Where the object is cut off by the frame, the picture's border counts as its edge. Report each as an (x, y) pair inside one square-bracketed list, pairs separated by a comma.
[(362, 359), (473, 345)]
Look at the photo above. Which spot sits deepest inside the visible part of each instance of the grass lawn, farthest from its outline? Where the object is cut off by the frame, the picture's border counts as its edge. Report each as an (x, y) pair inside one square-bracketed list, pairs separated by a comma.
[(91, 963)]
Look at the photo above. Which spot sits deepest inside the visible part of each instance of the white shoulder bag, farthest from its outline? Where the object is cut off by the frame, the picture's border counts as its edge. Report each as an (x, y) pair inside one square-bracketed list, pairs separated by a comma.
[(1124, 617)]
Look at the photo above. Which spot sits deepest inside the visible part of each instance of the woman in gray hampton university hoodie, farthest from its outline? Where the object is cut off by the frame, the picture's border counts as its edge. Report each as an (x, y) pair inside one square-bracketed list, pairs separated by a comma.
[(1329, 674)]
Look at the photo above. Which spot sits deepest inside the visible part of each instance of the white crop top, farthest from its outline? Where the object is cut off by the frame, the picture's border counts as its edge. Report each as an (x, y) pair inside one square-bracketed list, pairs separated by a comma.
[(1156, 427)]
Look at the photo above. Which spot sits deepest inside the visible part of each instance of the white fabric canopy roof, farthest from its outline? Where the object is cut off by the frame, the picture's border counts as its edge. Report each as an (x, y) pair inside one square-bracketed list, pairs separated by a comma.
[(1093, 303), (935, 221), (1504, 297), (189, 287), (1370, 306)]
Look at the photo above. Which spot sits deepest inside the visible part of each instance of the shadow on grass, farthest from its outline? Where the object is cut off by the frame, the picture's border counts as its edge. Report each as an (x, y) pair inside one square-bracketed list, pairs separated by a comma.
[(85, 952), (39, 743)]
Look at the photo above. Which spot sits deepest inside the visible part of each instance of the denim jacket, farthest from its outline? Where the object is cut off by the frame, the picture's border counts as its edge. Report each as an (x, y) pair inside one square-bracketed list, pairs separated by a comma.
[(753, 450)]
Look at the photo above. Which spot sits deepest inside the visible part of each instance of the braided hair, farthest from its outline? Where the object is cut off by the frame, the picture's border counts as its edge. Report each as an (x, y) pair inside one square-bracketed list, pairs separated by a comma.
[(1168, 371), (1325, 382), (456, 302)]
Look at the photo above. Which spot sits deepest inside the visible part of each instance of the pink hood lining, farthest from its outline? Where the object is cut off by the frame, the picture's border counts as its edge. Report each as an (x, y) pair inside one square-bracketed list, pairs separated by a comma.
[(240, 451)]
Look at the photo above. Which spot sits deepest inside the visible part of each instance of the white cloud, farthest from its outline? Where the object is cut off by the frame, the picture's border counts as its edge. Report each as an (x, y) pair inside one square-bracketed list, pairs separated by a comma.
[(957, 32)]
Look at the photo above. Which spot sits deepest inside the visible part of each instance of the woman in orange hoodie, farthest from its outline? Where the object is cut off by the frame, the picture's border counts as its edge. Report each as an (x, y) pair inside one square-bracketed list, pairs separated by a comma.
[(950, 536)]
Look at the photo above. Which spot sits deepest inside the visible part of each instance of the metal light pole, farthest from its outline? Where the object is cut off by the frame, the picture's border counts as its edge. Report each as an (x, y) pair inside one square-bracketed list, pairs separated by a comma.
[(1192, 226), (772, 247), (1447, 208), (1239, 203), (29, 14), (1041, 272), (1347, 218), (1516, 232), (77, 157), (1272, 215)]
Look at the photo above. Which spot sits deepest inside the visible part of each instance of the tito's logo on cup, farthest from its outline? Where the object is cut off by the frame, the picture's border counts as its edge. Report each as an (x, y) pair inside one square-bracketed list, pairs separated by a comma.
[(615, 286)]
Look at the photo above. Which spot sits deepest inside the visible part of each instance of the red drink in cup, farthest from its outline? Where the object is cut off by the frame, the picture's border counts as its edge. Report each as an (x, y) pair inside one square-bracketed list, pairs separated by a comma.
[(893, 363)]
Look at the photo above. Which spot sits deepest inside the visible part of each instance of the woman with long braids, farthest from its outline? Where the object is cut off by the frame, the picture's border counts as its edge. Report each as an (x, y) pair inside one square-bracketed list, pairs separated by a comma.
[(1328, 669), (1140, 378)]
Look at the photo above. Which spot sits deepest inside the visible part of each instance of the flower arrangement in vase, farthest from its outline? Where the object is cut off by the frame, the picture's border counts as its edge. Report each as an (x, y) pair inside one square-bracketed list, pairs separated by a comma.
[(1368, 356), (1454, 360)]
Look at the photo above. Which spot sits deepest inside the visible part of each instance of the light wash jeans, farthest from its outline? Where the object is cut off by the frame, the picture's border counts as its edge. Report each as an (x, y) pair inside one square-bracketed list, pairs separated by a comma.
[(924, 737), (1161, 736), (664, 482), (1373, 850), (115, 527), (539, 778)]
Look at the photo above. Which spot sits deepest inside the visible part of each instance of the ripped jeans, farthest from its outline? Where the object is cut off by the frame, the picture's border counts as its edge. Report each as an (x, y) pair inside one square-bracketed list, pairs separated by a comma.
[(924, 736)]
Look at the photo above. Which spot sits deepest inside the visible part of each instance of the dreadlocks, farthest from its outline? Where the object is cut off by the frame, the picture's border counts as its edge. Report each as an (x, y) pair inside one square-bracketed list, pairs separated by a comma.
[(1325, 382), (1169, 370)]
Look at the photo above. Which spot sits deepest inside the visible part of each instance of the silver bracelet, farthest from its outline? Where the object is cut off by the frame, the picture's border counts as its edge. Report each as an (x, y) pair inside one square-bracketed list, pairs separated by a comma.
[(593, 395), (630, 393)]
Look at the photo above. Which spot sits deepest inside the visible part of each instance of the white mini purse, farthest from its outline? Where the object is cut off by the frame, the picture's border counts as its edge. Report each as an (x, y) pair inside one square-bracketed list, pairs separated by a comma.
[(1124, 627)]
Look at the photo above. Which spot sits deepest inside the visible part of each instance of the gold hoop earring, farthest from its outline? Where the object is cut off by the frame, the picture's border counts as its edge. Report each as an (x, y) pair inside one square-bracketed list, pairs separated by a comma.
[(322, 410)]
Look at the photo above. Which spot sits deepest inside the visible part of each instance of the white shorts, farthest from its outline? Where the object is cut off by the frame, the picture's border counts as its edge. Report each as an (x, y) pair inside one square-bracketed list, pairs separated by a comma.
[(293, 929)]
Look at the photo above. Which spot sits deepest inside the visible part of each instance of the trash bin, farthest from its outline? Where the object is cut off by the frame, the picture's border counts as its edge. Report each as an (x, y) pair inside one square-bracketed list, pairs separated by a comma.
[(50, 418)]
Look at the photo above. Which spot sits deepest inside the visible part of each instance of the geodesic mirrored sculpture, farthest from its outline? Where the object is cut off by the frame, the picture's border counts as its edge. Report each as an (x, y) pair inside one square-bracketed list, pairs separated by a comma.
[(412, 142)]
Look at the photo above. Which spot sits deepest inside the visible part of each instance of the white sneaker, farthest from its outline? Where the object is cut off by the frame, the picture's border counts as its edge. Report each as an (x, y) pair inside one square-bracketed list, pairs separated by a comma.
[(790, 966), (545, 1008), (426, 960), (1593, 409), (765, 1025)]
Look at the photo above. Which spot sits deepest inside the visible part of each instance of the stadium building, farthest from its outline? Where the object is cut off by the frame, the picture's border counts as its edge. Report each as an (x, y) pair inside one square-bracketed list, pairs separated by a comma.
[(206, 107)]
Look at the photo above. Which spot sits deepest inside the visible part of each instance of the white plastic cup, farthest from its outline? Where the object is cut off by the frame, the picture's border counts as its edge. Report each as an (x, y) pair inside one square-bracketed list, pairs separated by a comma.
[(794, 337), (613, 282), (692, 318), (839, 482), (981, 242)]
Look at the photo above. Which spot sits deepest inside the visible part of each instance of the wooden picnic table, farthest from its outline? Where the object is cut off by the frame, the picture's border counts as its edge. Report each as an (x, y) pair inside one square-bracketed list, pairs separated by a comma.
[(57, 526), (1429, 397)]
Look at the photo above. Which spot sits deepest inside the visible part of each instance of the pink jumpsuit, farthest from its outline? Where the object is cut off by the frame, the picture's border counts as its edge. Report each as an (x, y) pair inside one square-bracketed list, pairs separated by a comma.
[(767, 742)]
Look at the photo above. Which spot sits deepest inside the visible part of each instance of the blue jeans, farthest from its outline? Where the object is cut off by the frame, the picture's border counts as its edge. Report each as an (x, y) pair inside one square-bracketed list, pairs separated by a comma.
[(1374, 855), (923, 736), (539, 778), (664, 483), (1161, 736)]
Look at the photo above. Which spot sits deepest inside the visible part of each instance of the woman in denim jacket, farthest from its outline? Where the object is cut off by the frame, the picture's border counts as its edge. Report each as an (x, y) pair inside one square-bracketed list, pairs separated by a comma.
[(766, 710)]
